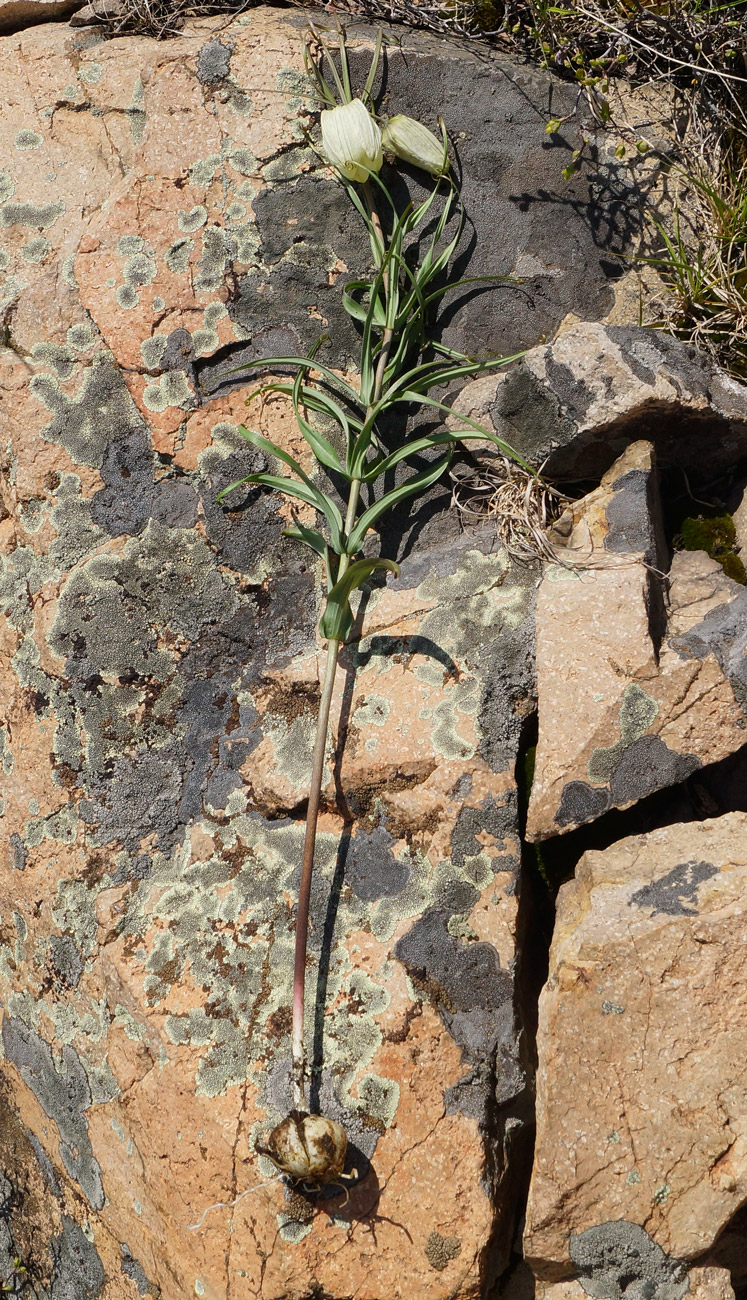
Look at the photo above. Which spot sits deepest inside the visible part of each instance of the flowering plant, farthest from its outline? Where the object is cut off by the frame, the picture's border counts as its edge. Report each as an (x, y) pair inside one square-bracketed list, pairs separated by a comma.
[(399, 366)]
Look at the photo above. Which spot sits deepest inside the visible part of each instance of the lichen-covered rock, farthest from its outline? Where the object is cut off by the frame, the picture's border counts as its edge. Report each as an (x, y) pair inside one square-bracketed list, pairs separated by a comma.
[(46, 1251), (161, 220), (641, 1083), (574, 404), (633, 694)]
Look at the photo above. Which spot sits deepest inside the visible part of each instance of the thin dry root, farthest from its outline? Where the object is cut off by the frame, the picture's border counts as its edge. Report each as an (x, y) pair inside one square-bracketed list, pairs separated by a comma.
[(228, 1205)]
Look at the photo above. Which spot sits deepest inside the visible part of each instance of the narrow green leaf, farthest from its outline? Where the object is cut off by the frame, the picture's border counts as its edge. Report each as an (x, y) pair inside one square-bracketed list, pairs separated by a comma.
[(267, 363), (311, 538), (355, 308), (337, 620), (302, 492), (477, 430), (417, 483), (366, 93), (265, 444), (321, 447)]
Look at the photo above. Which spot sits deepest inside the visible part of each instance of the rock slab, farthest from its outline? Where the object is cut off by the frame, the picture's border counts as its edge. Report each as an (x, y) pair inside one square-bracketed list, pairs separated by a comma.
[(574, 404), (641, 1097), (641, 677)]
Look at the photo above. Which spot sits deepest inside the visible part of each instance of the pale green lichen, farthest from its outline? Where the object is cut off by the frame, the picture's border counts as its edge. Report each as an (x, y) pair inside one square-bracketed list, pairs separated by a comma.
[(140, 270), (239, 102), (152, 349), (373, 711), (235, 212), (61, 827), (32, 515), (36, 249), (203, 170), (189, 222), (127, 297), (171, 389), (28, 139), (80, 337), (52, 354), (243, 161), (177, 256), (90, 73), (77, 535), (637, 712), (215, 258), (205, 342), (10, 289), (5, 751), (22, 576), (247, 243), (39, 216), (67, 270), (288, 165)]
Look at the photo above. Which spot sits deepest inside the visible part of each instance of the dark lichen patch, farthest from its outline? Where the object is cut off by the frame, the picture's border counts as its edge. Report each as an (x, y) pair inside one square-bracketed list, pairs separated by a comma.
[(85, 424), (648, 765), (372, 869), (214, 61), (304, 228), (581, 802), (631, 516), (105, 622), (124, 504), (64, 1097), (134, 1270), (637, 712), (526, 412), (78, 1271), (66, 960), (676, 893), (492, 819), (619, 1259), (464, 980), (440, 1251), (135, 798)]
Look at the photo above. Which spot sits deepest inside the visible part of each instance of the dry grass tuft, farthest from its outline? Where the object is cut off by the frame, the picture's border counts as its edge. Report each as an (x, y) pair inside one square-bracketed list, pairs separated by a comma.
[(522, 505)]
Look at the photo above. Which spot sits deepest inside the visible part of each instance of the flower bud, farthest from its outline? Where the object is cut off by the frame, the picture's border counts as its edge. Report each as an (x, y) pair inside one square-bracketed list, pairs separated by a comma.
[(308, 1148), (415, 144), (351, 140)]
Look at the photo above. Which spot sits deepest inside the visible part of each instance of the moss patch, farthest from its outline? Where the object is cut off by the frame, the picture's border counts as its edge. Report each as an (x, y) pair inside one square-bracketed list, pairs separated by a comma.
[(716, 535)]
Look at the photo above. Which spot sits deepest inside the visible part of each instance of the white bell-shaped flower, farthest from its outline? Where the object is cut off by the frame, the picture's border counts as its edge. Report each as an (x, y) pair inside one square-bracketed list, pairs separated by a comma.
[(415, 144), (351, 140)]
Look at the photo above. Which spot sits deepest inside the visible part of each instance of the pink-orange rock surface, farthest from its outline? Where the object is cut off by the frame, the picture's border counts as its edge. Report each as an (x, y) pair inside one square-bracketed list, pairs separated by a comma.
[(641, 1084), (162, 219), (639, 677)]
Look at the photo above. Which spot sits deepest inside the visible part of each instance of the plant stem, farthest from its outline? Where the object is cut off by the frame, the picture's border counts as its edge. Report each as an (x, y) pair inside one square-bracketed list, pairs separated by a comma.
[(298, 1055)]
